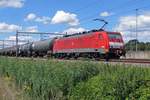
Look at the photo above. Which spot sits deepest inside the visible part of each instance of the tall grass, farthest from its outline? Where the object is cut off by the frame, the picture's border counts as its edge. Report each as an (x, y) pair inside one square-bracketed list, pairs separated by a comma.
[(46, 79), (76, 80)]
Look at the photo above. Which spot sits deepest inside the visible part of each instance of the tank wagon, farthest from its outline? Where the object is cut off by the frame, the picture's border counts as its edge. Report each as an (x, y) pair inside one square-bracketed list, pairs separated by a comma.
[(91, 44), (42, 48), (13, 51), (10, 51), (25, 49)]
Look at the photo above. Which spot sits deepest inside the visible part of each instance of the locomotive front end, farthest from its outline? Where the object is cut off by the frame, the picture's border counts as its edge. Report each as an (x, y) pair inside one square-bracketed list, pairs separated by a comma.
[(116, 45)]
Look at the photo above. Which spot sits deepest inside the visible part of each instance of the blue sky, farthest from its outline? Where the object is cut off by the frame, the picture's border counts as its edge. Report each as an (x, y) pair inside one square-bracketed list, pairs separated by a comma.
[(72, 16)]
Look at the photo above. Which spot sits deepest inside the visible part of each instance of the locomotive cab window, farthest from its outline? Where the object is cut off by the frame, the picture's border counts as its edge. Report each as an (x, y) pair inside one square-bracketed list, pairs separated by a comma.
[(114, 36)]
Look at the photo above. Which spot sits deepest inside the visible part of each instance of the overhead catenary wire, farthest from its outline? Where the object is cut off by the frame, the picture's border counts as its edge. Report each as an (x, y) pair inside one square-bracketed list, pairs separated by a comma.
[(89, 18), (114, 8)]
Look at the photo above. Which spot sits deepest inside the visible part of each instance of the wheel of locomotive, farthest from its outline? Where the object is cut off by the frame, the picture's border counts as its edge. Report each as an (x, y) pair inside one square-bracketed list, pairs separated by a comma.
[(114, 56), (96, 56), (67, 56), (117, 57), (75, 56), (58, 56), (107, 57), (90, 55)]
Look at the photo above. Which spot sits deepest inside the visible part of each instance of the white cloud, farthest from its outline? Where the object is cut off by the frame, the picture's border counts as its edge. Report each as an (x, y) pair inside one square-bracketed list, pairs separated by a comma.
[(25, 38), (43, 19), (74, 30), (59, 17), (30, 16), (11, 38), (8, 43), (32, 29), (4, 27), (1, 44), (65, 17), (22, 40), (40, 19), (127, 25), (105, 14), (12, 3)]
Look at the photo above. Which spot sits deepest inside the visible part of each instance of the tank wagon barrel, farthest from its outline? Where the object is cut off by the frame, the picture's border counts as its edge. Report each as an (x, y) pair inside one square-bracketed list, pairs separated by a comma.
[(43, 47)]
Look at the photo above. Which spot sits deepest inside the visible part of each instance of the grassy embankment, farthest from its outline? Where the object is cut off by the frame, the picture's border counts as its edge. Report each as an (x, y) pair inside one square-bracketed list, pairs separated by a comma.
[(76, 80)]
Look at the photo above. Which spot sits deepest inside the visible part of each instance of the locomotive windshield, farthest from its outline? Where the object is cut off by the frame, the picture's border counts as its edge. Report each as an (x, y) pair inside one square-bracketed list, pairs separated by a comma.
[(114, 36)]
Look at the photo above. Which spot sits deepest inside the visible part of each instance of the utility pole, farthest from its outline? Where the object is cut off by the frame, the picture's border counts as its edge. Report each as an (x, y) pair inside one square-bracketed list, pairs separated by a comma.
[(41, 37), (3, 44), (131, 48), (17, 48), (136, 30)]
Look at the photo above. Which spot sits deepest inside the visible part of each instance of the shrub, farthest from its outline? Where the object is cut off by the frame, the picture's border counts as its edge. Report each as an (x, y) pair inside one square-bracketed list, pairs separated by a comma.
[(121, 84)]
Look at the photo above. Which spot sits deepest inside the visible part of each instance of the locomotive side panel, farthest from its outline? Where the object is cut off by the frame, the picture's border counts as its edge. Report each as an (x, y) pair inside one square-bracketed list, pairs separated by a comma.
[(91, 44)]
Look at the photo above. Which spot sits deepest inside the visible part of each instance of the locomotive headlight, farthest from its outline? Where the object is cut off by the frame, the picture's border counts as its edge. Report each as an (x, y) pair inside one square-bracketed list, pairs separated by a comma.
[(105, 50)]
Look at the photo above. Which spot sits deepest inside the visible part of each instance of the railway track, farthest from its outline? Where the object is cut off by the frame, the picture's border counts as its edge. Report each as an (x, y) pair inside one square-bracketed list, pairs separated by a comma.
[(129, 61), (137, 61)]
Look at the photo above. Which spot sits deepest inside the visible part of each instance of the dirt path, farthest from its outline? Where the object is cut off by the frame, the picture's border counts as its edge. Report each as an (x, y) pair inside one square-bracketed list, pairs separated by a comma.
[(6, 93)]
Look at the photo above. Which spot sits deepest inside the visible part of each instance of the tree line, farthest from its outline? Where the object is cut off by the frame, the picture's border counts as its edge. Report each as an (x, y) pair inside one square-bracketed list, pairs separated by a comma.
[(142, 46)]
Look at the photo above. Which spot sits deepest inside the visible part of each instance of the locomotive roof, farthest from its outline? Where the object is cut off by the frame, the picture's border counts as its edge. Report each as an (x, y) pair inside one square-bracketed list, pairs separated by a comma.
[(82, 33), (88, 32)]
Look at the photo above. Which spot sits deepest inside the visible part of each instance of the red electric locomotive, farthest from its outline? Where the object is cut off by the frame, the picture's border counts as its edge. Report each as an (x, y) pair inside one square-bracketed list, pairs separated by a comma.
[(92, 44)]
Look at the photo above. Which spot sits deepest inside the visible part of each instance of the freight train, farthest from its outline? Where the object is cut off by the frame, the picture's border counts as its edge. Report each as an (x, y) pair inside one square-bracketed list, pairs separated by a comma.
[(91, 44)]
